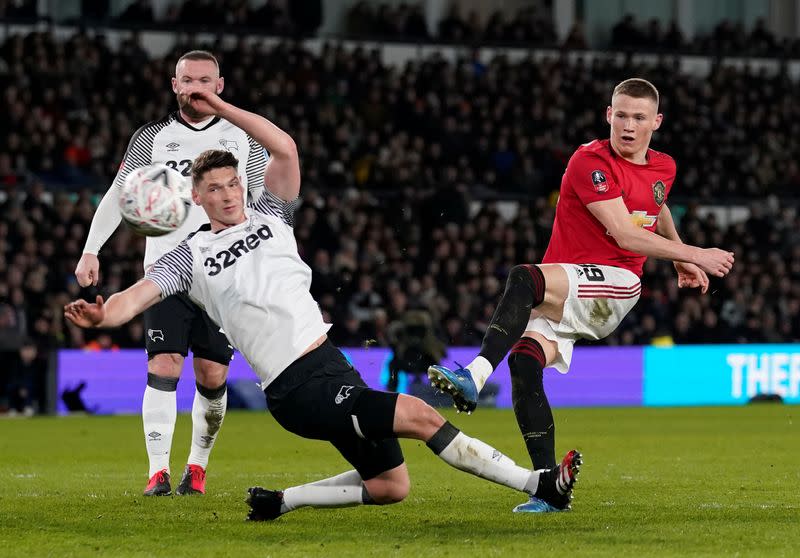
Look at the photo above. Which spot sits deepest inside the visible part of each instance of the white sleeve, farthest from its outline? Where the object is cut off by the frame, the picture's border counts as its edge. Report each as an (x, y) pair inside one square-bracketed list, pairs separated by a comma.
[(107, 218), (105, 221), (172, 272), (257, 157), (270, 204)]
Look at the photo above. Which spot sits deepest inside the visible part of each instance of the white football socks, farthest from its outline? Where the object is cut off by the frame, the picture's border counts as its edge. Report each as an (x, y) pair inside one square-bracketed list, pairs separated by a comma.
[(482, 460), (208, 412), (481, 369), (159, 410), (346, 489)]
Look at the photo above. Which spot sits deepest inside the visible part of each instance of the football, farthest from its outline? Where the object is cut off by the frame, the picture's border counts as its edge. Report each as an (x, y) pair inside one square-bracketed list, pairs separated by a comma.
[(155, 200)]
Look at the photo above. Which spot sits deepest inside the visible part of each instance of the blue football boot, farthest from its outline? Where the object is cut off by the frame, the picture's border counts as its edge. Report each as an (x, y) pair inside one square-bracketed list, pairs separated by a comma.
[(554, 493), (535, 505), (458, 383)]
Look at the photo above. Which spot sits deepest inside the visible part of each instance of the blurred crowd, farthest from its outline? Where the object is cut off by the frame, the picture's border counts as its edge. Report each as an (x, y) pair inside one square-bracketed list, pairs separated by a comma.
[(394, 159), (274, 17), (373, 261), (41, 238), (500, 127), (533, 25), (729, 38), (530, 25), (18, 9)]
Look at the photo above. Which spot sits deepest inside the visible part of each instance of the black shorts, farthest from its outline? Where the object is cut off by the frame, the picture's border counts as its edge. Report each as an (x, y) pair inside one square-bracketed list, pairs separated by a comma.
[(176, 323), (322, 397)]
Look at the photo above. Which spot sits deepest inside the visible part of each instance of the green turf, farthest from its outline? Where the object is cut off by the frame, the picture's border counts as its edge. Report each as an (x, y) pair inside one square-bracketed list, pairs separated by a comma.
[(721, 481)]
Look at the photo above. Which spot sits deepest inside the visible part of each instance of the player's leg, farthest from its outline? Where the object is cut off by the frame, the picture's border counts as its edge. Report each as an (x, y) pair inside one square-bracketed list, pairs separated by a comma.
[(381, 478), (325, 381), (208, 412), (598, 299), (341, 491), (166, 341), (378, 418), (527, 361), (349, 488), (211, 355), (542, 287), (595, 292), (368, 441), (159, 412), (529, 356), (416, 419)]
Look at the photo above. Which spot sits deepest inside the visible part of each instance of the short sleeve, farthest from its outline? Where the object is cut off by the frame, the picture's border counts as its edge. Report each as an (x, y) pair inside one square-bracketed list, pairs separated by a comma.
[(140, 149), (138, 154), (591, 178), (172, 272), (673, 171), (270, 204), (257, 158)]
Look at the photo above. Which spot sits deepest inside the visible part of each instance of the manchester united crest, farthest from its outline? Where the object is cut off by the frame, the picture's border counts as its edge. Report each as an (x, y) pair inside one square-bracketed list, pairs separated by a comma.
[(659, 192)]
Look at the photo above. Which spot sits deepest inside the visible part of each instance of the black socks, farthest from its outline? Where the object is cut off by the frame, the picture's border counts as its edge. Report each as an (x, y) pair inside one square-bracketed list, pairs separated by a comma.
[(162, 383), (531, 407), (524, 291)]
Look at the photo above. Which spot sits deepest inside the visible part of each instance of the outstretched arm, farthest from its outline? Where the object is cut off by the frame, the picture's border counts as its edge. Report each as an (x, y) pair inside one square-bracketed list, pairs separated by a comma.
[(120, 308), (282, 175), (106, 218), (665, 226), (614, 216), (689, 275), (105, 221)]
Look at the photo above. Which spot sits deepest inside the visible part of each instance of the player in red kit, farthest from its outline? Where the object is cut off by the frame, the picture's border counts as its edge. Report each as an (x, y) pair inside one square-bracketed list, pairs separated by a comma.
[(612, 214)]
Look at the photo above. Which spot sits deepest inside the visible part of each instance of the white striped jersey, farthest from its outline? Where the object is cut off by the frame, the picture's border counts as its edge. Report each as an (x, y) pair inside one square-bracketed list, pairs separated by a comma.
[(252, 283), (176, 143)]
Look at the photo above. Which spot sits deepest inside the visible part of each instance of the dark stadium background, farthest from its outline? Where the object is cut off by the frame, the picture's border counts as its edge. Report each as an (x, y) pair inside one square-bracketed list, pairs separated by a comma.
[(433, 136)]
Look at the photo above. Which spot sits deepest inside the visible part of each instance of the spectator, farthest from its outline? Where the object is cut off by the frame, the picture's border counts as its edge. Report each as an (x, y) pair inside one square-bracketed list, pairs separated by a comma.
[(626, 34), (139, 11), (761, 40), (12, 334), (576, 38), (452, 27), (18, 9), (27, 379), (673, 38)]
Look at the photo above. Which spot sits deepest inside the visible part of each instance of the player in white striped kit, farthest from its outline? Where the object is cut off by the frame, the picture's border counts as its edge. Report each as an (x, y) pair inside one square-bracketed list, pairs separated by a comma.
[(244, 268), (177, 324)]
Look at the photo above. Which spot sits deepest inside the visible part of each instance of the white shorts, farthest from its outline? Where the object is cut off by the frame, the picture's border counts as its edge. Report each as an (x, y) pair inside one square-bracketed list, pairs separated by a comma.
[(600, 296)]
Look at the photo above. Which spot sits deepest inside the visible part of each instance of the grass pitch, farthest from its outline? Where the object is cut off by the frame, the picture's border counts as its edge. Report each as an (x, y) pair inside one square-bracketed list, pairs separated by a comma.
[(666, 482)]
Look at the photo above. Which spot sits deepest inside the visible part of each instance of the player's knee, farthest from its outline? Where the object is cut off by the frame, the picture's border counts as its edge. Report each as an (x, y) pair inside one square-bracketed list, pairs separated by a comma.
[(167, 365), (523, 365), (391, 492), (210, 374), (523, 280), (415, 419), (398, 491), (519, 274), (427, 417), (524, 379)]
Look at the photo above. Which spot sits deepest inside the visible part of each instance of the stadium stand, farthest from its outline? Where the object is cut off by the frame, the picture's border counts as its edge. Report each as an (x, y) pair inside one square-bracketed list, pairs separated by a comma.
[(433, 138)]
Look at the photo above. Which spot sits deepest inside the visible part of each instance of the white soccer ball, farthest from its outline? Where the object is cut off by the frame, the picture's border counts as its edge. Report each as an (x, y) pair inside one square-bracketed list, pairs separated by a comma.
[(155, 200)]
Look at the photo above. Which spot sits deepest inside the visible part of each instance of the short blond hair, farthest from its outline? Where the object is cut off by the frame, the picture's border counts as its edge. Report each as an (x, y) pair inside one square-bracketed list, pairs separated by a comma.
[(637, 88), (199, 55)]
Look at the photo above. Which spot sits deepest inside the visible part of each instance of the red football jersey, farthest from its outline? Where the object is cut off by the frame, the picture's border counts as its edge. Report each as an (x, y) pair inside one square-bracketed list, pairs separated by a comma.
[(596, 173)]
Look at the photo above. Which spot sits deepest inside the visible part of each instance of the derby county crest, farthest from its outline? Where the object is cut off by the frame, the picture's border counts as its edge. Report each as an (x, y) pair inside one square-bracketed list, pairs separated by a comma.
[(659, 192)]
